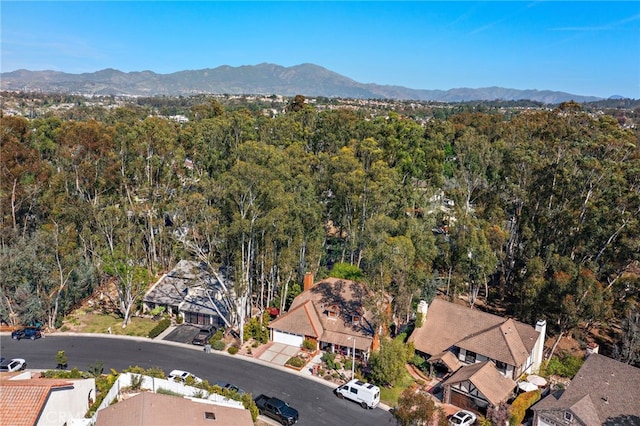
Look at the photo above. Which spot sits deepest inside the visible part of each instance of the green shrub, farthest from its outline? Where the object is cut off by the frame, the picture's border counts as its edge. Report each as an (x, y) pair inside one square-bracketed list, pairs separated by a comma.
[(233, 349), (162, 325), (417, 360), (309, 345), (521, 404), (168, 392), (218, 345), (566, 366), (330, 359), (158, 310), (296, 361), (96, 368), (257, 328), (348, 363), (156, 372), (65, 374), (217, 336)]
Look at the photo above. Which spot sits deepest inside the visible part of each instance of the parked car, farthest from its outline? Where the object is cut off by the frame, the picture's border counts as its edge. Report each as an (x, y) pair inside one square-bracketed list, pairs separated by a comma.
[(182, 376), (462, 418), (203, 336), (231, 387), (15, 364), (277, 409), (31, 333)]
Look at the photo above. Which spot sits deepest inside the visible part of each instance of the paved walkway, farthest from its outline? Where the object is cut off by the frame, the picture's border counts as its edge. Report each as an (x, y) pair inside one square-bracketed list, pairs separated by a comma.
[(277, 353)]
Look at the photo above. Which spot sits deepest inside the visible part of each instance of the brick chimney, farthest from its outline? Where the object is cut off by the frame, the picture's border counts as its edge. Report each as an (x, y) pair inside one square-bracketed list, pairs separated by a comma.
[(307, 283)]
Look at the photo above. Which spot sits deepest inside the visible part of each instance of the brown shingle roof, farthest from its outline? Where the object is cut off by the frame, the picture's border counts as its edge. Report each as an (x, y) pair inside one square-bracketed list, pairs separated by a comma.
[(303, 319), (307, 313), (603, 387), (152, 409), (22, 401), (448, 358), (448, 324), (487, 379)]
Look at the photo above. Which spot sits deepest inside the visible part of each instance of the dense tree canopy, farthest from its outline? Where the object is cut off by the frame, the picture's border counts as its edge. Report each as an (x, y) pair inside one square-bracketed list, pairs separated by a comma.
[(526, 209)]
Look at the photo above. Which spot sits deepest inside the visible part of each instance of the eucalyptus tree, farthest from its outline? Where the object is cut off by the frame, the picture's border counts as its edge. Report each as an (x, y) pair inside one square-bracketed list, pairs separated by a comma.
[(573, 196), (22, 178), (127, 266), (85, 152), (42, 276)]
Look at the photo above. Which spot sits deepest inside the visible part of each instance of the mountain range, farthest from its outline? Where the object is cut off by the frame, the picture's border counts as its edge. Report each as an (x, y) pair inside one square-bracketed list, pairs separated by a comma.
[(266, 79)]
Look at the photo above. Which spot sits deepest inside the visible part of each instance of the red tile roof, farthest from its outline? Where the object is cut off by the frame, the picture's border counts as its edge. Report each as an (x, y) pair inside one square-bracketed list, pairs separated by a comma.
[(22, 401)]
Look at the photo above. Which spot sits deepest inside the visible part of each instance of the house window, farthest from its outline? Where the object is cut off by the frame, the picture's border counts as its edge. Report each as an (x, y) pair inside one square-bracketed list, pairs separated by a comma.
[(568, 416), (470, 357), (501, 366), (209, 415)]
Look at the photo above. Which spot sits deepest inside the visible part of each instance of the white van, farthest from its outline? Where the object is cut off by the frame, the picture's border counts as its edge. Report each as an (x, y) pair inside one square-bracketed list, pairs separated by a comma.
[(367, 395)]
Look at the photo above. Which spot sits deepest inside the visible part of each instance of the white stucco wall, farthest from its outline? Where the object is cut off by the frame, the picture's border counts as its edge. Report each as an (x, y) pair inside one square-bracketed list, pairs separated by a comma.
[(66, 404)]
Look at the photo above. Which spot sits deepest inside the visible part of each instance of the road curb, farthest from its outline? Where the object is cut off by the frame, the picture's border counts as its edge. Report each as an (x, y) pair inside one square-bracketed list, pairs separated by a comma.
[(200, 349)]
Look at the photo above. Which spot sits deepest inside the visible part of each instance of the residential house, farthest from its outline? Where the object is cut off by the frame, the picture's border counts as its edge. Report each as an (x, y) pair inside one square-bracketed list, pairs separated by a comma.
[(334, 313), (26, 399), (153, 409), (477, 386), (604, 392), (455, 339), (191, 291)]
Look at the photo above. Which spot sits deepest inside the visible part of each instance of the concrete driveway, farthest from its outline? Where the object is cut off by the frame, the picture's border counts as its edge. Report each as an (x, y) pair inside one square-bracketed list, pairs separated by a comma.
[(183, 333), (278, 353)]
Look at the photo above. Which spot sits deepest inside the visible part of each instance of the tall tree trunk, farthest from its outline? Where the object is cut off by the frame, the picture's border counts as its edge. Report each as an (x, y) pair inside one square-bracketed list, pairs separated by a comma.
[(555, 344)]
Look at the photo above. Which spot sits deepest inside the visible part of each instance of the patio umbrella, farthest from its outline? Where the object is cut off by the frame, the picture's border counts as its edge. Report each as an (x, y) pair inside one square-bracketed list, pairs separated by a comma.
[(527, 386), (537, 380)]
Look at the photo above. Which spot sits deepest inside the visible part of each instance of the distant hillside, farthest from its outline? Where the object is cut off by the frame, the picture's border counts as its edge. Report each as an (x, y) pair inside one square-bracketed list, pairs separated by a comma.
[(306, 79)]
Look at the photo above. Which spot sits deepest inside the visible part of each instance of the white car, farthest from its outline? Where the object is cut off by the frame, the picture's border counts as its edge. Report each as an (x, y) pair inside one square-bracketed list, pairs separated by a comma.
[(15, 364), (462, 418), (182, 376)]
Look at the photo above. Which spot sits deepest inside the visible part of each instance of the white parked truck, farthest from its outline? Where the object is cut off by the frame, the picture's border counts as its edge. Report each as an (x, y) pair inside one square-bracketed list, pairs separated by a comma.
[(365, 394)]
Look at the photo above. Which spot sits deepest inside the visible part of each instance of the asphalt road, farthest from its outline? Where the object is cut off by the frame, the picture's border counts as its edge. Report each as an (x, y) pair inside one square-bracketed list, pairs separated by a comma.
[(315, 401)]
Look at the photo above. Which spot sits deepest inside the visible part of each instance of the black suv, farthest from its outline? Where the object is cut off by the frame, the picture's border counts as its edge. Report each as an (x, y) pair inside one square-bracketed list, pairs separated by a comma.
[(26, 333)]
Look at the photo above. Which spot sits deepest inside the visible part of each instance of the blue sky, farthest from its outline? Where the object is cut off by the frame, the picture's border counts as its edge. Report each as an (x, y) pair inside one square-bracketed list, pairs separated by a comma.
[(584, 48)]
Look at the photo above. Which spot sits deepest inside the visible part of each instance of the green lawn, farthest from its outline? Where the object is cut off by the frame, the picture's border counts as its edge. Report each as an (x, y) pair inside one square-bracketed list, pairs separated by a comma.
[(99, 323), (390, 396)]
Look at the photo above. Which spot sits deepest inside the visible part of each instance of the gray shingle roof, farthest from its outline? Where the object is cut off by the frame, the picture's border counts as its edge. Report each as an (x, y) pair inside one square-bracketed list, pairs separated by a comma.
[(184, 287), (604, 391)]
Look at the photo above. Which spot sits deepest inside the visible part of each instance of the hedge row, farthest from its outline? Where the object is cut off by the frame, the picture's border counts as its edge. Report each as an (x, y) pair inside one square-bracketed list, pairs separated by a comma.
[(520, 406), (162, 325)]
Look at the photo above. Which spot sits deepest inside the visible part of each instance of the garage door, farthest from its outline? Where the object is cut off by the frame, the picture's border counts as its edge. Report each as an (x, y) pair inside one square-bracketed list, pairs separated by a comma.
[(287, 338), (461, 400)]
